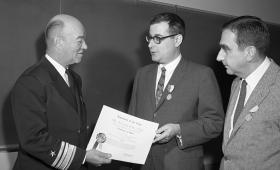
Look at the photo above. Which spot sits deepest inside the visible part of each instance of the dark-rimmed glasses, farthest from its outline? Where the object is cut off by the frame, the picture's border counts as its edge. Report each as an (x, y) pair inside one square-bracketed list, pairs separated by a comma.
[(158, 39)]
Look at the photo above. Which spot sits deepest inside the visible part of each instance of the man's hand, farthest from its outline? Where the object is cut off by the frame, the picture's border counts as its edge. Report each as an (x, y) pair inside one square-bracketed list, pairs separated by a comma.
[(98, 158), (166, 132)]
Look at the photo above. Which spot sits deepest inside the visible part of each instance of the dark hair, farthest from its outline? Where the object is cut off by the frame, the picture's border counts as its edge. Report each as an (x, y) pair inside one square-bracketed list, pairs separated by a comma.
[(176, 24), (53, 26), (250, 31)]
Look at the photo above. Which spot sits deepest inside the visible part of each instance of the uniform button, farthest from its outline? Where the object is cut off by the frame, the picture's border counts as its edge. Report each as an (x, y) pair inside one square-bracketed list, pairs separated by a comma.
[(79, 131), (155, 114), (87, 127)]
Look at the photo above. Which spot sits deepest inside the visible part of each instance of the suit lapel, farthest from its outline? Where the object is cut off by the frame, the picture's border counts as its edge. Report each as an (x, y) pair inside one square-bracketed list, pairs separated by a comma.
[(152, 76), (258, 95), (232, 100), (58, 82), (177, 75)]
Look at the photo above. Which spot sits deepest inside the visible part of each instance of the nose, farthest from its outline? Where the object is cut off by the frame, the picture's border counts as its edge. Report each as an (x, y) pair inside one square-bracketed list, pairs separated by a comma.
[(151, 43), (84, 45), (220, 56)]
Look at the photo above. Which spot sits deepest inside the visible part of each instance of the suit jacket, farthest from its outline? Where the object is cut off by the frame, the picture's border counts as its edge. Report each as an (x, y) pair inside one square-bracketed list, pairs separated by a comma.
[(50, 120), (255, 140), (194, 102)]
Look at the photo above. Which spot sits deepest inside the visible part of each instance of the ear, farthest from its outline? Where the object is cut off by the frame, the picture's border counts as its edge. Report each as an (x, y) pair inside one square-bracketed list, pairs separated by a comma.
[(178, 40), (250, 53), (58, 41)]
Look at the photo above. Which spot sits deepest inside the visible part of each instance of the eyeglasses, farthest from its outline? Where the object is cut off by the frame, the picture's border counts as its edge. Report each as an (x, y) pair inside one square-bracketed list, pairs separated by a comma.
[(158, 39)]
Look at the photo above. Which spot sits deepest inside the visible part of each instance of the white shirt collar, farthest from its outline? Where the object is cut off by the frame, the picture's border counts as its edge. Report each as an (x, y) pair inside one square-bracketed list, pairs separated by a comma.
[(170, 67), (253, 79), (58, 67)]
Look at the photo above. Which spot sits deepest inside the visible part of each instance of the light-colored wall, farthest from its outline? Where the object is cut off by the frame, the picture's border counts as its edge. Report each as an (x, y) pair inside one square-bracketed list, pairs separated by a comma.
[(7, 160), (267, 10)]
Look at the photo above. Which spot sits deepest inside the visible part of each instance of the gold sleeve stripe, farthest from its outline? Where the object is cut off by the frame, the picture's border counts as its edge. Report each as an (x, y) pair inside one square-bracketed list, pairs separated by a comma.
[(72, 157), (63, 156), (66, 161), (59, 154)]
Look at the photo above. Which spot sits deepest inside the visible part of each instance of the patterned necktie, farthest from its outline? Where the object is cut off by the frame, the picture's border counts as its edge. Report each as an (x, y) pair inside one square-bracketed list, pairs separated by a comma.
[(241, 101), (160, 85)]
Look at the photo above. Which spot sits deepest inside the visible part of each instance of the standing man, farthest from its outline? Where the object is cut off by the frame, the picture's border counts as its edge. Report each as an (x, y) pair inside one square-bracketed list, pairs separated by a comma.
[(48, 108), (252, 126), (183, 97)]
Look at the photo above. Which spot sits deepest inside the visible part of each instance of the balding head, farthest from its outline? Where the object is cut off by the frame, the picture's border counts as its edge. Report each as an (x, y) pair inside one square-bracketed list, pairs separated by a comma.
[(65, 38), (57, 25)]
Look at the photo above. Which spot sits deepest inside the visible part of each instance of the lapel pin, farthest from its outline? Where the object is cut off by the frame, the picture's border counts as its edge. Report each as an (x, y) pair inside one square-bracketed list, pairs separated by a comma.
[(254, 109), (248, 117), (170, 88), (169, 97)]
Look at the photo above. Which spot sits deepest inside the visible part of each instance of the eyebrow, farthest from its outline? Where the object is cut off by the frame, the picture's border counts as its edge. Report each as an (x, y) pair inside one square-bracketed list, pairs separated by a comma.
[(80, 37), (156, 35), (223, 46)]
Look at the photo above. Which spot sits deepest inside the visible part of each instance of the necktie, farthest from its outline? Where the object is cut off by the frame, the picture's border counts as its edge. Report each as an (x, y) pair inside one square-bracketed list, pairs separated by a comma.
[(67, 76), (72, 88), (70, 79), (241, 100), (160, 85)]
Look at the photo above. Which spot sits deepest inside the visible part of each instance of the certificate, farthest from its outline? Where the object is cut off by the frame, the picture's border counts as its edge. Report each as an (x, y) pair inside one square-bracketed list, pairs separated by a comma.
[(126, 137)]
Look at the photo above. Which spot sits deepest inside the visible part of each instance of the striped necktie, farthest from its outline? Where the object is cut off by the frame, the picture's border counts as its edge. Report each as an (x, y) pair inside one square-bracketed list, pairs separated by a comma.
[(160, 85)]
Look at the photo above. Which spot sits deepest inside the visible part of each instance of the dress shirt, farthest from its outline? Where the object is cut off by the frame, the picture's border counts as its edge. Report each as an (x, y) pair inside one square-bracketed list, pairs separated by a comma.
[(170, 67), (252, 81), (61, 70)]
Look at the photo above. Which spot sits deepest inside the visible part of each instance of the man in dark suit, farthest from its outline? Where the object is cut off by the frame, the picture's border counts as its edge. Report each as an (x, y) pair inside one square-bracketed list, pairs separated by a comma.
[(48, 107), (183, 97), (252, 125)]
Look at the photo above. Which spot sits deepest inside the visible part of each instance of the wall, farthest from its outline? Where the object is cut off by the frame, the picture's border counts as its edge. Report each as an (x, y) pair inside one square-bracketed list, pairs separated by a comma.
[(7, 160), (267, 10)]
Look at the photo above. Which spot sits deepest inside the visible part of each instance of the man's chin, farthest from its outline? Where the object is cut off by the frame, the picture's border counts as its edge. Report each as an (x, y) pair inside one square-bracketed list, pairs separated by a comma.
[(78, 60), (229, 72), (155, 58)]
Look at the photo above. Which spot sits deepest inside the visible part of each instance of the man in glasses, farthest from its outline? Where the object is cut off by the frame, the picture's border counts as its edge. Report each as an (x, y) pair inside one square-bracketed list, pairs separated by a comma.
[(183, 97)]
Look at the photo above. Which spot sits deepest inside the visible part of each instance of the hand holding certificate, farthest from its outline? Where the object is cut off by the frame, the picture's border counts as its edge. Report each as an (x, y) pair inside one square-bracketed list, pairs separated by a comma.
[(126, 137)]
